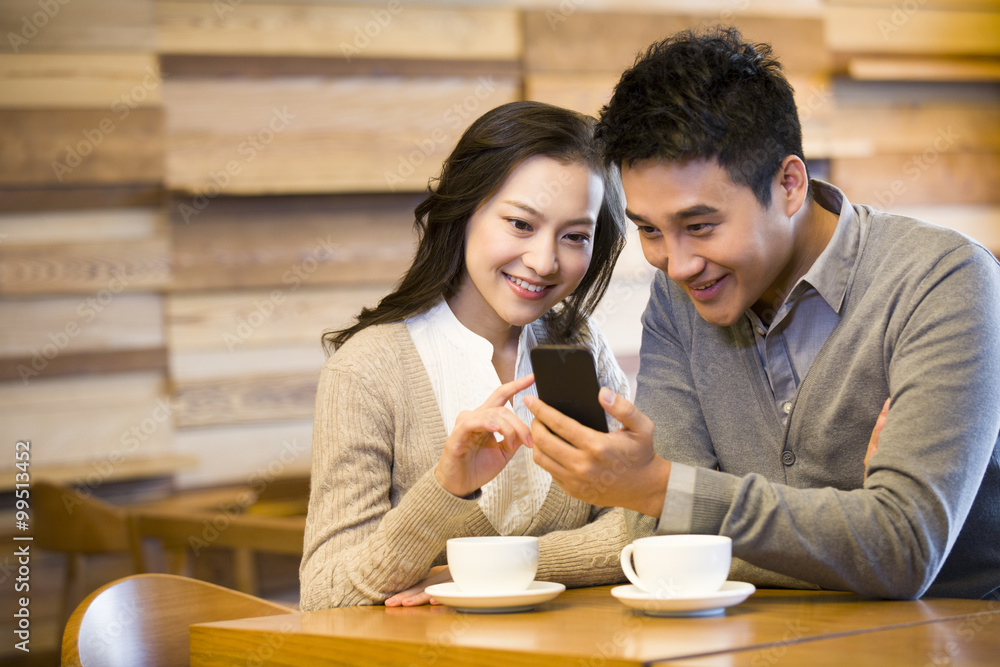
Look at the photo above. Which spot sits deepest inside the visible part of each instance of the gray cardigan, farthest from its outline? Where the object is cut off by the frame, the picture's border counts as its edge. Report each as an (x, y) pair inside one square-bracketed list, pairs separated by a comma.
[(920, 323)]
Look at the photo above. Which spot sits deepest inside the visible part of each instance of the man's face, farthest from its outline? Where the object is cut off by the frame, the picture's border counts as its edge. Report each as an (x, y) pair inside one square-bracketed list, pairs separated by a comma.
[(710, 235)]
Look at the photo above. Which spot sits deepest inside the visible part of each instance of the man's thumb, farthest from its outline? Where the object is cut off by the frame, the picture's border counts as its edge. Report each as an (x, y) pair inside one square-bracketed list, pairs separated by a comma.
[(620, 408)]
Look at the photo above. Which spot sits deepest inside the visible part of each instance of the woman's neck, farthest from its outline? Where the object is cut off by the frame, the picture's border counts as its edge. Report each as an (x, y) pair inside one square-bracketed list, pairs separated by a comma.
[(503, 336), (505, 361)]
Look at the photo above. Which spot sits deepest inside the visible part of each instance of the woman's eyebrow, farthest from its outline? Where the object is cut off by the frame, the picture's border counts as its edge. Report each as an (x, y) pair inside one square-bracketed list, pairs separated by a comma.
[(585, 220), (524, 207)]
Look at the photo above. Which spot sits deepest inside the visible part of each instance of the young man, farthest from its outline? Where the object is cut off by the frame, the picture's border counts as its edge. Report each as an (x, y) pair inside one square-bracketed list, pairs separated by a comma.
[(782, 319)]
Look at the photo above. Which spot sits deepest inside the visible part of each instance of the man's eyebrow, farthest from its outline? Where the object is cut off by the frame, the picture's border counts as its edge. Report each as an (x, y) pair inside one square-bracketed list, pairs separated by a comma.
[(680, 216), (694, 212), (635, 217)]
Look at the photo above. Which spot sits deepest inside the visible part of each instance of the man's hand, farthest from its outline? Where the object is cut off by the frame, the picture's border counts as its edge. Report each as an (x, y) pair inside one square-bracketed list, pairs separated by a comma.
[(876, 432), (617, 469)]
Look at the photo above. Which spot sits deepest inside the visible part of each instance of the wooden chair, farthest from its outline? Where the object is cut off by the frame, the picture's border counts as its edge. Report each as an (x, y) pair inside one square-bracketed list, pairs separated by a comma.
[(79, 525), (145, 620), (282, 496)]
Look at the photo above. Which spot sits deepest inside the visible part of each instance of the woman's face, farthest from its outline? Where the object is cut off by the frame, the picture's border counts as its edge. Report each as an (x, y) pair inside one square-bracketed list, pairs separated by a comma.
[(528, 247)]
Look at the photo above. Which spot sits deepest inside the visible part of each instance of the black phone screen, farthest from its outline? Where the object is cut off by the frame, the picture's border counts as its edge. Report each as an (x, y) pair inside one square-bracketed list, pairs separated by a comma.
[(566, 379)]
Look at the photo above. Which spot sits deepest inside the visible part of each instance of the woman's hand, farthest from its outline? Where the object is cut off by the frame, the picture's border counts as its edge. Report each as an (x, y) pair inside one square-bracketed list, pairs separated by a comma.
[(472, 455), (415, 595)]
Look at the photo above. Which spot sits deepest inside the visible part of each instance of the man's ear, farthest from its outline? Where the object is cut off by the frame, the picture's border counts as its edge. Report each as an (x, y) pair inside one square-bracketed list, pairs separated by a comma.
[(793, 183)]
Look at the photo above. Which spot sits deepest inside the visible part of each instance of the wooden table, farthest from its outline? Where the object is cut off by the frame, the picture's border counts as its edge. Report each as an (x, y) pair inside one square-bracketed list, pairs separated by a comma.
[(99, 472), (587, 627)]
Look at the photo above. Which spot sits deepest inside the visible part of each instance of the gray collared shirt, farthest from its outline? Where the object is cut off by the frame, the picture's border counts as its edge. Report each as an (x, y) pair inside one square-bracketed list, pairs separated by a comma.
[(789, 345), (810, 311)]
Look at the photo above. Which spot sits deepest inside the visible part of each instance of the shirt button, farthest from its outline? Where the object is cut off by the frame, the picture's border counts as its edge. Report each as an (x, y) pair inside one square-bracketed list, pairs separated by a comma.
[(786, 407), (788, 457), (761, 330)]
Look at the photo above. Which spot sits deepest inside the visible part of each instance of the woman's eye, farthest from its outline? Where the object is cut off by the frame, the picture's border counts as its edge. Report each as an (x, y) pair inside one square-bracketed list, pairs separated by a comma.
[(520, 225), (577, 237)]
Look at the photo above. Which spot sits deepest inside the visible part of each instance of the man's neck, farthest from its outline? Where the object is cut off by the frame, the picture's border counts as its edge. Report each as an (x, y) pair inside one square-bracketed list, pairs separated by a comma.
[(814, 228)]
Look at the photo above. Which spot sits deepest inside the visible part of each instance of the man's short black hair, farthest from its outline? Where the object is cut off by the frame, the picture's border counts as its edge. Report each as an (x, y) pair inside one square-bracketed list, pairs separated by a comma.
[(705, 96)]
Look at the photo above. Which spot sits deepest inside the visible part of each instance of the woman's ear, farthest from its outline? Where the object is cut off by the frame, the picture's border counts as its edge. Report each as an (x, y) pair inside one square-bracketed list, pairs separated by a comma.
[(793, 181)]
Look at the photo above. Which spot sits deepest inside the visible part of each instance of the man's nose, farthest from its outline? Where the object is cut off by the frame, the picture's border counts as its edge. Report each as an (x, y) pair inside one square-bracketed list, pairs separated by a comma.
[(681, 265)]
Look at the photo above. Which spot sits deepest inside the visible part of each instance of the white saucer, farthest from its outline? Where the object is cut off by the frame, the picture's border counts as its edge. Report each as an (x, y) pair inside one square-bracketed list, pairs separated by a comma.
[(710, 604), (494, 603)]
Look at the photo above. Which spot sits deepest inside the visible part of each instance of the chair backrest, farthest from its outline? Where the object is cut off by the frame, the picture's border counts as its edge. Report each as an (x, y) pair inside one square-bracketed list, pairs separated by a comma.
[(145, 620), (71, 521), (282, 496)]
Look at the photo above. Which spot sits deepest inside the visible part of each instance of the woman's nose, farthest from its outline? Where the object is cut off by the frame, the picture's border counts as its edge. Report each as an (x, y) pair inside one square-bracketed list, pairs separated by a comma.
[(541, 257)]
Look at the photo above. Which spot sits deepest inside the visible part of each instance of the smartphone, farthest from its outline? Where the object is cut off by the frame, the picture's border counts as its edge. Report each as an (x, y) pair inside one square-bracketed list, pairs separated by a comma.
[(566, 379)]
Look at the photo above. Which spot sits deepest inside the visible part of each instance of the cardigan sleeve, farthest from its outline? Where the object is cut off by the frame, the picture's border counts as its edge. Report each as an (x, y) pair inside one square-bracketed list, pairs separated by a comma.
[(359, 549)]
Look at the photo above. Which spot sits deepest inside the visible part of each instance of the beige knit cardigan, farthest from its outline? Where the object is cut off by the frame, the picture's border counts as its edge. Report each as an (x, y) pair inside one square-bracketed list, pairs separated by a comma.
[(378, 519)]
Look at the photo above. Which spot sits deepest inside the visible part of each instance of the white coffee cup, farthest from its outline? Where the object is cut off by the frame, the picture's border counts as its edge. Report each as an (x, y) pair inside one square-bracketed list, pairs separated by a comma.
[(498, 564), (678, 566)]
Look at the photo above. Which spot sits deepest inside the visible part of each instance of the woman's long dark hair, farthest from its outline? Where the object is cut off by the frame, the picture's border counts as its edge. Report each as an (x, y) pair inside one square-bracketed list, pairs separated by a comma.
[(487, 152)]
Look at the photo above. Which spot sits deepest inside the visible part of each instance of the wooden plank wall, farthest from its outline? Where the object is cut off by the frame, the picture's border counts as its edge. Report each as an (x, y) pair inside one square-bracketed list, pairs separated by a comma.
[(84, 247), (191, 191)]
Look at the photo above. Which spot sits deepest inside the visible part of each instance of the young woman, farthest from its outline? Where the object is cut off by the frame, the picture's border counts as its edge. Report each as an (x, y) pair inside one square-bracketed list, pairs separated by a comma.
[(419, 414)]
